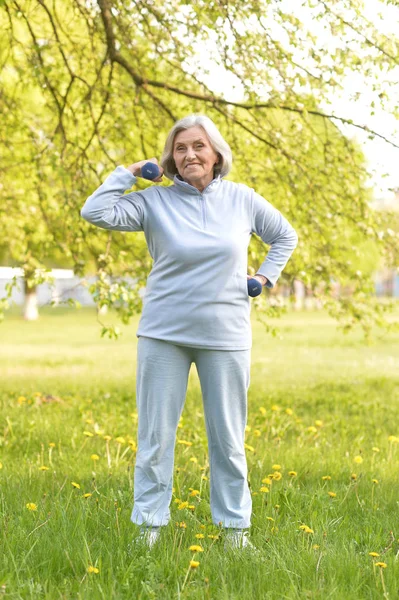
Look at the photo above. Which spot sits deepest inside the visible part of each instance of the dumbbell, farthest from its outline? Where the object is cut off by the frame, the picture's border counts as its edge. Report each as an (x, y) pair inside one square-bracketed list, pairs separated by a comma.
[(254, 287), (150, 171)]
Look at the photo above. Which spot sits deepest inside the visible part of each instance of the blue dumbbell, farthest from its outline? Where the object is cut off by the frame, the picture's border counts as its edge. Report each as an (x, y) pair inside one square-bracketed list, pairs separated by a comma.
[(254, 287), (150, 171)]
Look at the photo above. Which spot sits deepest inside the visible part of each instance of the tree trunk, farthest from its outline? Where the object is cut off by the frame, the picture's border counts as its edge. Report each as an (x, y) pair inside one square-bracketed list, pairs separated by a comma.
[(30, 310)]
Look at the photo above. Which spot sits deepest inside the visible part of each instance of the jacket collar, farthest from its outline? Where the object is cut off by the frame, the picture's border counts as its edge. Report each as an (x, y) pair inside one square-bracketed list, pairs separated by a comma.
[(190, 189)]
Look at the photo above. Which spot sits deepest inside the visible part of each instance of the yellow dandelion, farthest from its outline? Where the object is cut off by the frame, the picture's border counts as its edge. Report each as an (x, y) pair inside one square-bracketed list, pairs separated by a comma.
[(181, 524), (381, 564), (204, 477), (318, 423), (51, 445), (89, 421), (107, 438), (177, 500), (276, 467), (393, 439), (250, 448), (262, 410), (375, 481), (257, 433), (213, 537), (292, 473), (267, 480), (194, 493), (44, 468), (191, 507), (75, 485), (326, 478), (315, 546), (289, 411), (194, 564), (31, 506), (199, 536), (87, 495), (332, 494), (373, 554), (202, 527), (375, 449), (270, 519), (195, 548), (277, 476), (21, 400), (91, 569), (88, 434), (264, 489), (311, 429), (120, 440), (182, 505), (358, 459), (275, 408), (184, 443), (354, 476), (1, 465), (193, 459), (95, 457), (247, 428)]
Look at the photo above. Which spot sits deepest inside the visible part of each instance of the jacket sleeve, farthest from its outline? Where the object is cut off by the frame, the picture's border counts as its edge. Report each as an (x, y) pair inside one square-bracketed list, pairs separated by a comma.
[(109, 208), (275, 230)]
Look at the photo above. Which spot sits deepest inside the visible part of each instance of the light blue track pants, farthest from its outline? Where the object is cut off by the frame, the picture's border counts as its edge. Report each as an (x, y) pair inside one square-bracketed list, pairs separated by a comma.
[(162, 377)]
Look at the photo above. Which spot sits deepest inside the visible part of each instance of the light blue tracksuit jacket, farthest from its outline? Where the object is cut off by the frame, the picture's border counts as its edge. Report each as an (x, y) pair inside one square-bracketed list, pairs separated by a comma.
[(196, 293)]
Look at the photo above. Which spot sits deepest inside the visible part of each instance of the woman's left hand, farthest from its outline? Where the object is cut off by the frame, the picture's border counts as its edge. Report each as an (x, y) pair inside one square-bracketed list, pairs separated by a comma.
[(261, 278)]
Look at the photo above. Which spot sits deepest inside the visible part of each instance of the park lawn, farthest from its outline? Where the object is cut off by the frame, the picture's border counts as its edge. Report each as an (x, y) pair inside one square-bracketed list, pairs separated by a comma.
[(322, 449)]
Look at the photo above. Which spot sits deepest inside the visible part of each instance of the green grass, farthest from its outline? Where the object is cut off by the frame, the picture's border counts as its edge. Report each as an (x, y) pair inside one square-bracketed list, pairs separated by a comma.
[(317, 400)]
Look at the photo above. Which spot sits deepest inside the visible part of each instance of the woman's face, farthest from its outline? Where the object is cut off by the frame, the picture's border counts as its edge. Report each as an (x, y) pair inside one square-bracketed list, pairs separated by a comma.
[(194, 156)]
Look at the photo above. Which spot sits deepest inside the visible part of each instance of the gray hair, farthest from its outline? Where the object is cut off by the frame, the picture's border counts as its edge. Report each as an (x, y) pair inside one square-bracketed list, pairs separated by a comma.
[(216, 139)]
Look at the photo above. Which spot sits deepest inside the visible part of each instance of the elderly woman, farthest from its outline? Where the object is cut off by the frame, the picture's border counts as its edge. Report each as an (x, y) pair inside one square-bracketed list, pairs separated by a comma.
[(195, 310)]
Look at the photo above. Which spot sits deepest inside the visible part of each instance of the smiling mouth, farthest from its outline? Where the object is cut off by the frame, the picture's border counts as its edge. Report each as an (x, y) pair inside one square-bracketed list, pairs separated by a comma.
[(193, 165)]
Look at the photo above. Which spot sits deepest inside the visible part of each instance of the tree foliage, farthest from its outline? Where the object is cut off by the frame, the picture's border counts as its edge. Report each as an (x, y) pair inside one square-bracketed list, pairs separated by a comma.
[(90, 84)]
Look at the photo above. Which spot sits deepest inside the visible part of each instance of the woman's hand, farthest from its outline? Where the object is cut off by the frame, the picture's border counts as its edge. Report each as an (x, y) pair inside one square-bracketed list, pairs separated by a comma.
[(261, 278), (135, 168)]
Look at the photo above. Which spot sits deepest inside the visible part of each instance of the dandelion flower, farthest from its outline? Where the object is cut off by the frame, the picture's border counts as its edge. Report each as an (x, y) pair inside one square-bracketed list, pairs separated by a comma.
[(91, 569), (276, 467), (375, 449), (75, 485), (247, 428), (319, 423), (87, 495), (199, 536), (194, 493), (292, 473), (315, 546), (262, 410), (51, 445), (88, 434), (393, 439), (257, 433), (288, 411), (311, 429), (120, 440), (326, 478), (358, 460), (375, 481), (191, 507), (107, 438), (373, 554), (275, 408), (1, 465), (21, 400), (264, 489), (354, 476), (43, 468), (193, 459), (204, 477), (332, 494), (250, 448), (194, 564), (195, 548), (95, 457), (270, 519), (381, 564), (182, 505), (31, 506), (213, 537), (277, 476), (267, 481)]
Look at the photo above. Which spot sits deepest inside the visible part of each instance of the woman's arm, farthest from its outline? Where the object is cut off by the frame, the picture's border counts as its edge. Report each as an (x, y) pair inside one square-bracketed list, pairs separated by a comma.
[(109, 208), (275, 230)]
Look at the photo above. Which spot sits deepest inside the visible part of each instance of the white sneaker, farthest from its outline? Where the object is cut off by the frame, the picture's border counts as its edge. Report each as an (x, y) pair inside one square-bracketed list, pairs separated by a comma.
[(237, 539), (148, 536)]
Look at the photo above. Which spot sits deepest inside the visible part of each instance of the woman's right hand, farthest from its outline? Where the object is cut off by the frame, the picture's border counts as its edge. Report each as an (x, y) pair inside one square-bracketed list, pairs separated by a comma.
[(135, 168)]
